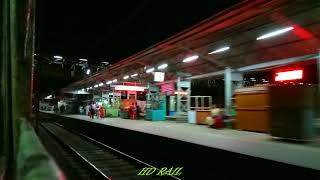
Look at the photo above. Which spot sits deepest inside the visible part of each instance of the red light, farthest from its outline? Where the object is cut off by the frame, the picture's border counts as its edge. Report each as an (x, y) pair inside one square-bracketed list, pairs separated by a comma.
[(289, 75)]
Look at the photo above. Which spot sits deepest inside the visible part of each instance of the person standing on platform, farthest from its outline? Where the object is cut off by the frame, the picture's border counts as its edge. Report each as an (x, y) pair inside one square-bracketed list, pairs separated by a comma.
[(98, 111), (138, 111), (55, 109), (92, 109), (101, 109), (132, 111), (87, 111)]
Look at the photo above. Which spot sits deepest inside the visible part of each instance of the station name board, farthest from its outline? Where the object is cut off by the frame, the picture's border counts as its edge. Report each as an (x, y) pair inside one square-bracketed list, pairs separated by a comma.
[(129, 88)]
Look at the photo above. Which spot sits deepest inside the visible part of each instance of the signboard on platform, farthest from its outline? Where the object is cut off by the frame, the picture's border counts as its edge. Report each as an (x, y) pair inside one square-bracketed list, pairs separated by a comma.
[(129, 88), (158, 76)]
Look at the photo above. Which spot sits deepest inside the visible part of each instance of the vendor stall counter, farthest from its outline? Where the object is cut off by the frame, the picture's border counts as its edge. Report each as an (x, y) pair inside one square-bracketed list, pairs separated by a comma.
[(157, 108), (253, 108), (112, 112)]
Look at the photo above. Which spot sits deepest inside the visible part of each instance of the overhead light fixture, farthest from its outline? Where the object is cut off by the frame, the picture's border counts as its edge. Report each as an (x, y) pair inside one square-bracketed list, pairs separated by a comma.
[(48, 97), (101, 84), (83, 59), (219, 50), (58, 57), (96, 86), (150, 70), (126, 77), (109, 82), (90, 87), (83, 89), (163, 66), (190, 58), (115, 80), (134, 75), (88, 71), (275, 33)]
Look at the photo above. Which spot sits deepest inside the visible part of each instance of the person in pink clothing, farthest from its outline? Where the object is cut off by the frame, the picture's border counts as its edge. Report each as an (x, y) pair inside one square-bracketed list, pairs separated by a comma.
[(132, 111)]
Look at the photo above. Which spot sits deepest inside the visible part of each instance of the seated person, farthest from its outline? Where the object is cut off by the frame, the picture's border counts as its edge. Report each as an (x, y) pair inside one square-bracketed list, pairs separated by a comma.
[(213, 114), (219, 121)]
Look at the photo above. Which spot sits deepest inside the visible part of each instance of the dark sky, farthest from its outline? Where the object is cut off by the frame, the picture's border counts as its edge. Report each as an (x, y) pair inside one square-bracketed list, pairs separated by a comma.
[(114, 29)]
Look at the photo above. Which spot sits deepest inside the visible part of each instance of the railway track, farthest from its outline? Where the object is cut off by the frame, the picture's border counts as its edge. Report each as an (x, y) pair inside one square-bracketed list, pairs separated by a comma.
[(86, 158)]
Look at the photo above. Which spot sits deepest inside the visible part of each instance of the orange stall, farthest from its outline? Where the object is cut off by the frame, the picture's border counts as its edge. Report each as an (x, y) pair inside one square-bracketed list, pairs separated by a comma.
[(253, 108)]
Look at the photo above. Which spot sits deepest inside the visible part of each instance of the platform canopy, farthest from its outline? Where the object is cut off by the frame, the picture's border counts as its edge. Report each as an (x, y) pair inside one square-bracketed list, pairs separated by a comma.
[(251, 35)]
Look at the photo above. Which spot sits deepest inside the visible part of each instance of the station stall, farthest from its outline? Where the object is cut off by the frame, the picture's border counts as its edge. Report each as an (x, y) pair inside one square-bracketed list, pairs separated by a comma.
[(285, 105), (126, 94)]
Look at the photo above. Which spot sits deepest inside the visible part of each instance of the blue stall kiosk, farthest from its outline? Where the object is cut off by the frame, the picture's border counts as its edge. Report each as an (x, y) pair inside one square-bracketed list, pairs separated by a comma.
[(156, 105)]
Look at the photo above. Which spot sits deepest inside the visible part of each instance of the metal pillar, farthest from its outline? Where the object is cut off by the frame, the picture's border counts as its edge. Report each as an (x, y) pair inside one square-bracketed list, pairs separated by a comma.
[(318, 93), (178, 96), (36, 92), (318, 63), (188, 97), (227, 90)]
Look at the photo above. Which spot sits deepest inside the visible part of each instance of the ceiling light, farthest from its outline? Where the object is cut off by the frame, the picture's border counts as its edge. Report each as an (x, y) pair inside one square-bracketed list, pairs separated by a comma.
[(149, 70), (109, 82), (101, 84), (83, 59), (191, 58), (96, 85), (58, 57), (275, 33), (88, 71), (115, 80), (83, 89), (134, 75), (90, 87), (163, 66), (126, 77), (219, 50)]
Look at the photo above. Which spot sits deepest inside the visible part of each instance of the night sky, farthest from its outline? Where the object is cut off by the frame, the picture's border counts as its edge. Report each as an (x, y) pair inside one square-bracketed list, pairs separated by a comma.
[(99, 29), (113, 30)]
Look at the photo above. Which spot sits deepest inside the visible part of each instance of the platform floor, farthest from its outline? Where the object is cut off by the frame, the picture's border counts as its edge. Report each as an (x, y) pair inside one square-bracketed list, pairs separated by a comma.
[(249, 143)]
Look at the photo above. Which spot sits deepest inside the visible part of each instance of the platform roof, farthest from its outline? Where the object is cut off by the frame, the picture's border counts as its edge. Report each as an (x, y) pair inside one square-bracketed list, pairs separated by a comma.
[(238, 28)]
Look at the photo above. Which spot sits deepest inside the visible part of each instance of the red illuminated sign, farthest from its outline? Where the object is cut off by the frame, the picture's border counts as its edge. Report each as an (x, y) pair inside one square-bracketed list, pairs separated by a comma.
[(289, 75)]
